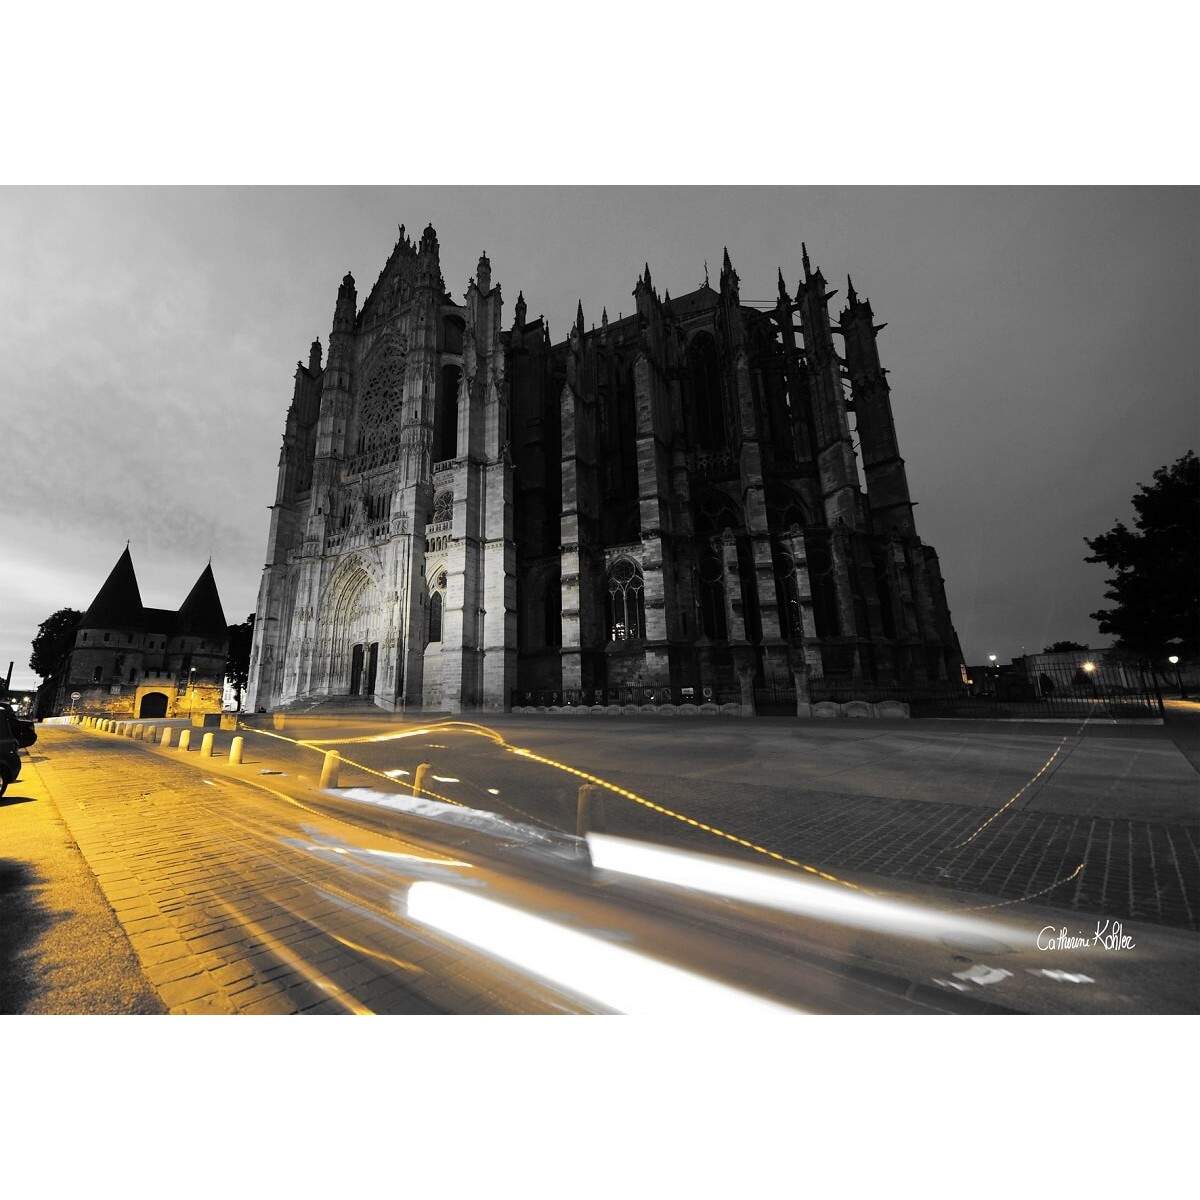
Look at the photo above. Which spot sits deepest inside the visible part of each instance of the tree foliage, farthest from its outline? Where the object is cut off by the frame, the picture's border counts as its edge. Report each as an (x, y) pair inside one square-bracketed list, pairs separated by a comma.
[(1058, 647), (237, 664), (1156, 588), (54, 642)]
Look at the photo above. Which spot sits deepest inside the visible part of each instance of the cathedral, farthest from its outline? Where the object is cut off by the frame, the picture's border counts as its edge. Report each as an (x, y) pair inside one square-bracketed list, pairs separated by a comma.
[(701, 503)]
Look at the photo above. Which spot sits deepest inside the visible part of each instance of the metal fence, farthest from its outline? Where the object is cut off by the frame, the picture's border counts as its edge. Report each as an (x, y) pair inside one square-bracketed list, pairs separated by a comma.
[(623, 696), (1110, 691)]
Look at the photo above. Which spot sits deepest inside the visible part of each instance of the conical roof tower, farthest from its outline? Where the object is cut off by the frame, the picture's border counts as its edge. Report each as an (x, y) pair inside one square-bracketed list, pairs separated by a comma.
[(202, 612), (118, 604)]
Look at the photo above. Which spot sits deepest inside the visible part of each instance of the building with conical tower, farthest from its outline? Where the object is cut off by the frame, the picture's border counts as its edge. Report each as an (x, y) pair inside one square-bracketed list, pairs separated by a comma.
[(699, 505), (132, 661)]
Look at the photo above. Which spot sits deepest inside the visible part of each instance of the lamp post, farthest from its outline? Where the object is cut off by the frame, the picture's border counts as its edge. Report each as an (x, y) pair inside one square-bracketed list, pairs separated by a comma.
[(191, 690), (1090, 669), (995, 675), (1174, 661)]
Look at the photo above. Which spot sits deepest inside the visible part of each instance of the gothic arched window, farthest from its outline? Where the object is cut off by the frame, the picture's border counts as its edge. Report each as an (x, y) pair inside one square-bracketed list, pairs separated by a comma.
[(445, 429), (707, 406), (436, 603), (712, 596), (626, 601)]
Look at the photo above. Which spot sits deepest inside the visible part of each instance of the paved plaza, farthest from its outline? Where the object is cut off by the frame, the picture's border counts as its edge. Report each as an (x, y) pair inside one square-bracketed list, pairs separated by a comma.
[(1087, 822)]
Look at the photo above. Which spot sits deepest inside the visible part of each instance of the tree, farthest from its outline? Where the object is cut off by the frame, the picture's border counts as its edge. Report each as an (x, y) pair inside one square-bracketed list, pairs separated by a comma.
[(237, 664), (51, 649), (1156, 588), (1058, 647), (55, 640)]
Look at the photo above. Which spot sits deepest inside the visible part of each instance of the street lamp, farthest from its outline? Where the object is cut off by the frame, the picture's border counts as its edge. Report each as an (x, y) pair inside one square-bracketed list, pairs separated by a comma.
[(995, 675), (191, 690), (1174, 661), (1089, 668)]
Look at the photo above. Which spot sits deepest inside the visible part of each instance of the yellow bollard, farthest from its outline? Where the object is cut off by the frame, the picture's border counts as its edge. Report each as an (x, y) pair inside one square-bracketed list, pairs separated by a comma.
[(206, 746), (235, 751), (590, 813), (166, 737), (185, 738), (419, 778), (329, 769)]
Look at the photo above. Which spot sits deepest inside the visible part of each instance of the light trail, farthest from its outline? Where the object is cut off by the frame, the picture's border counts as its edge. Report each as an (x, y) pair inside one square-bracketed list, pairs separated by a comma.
[(781, 891), (499, 740), (612, 976)]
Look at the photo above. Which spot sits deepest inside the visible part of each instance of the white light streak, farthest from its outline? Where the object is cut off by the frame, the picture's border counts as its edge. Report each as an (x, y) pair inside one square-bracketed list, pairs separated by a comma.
[(446, 779), (778, 889), (614, 977)]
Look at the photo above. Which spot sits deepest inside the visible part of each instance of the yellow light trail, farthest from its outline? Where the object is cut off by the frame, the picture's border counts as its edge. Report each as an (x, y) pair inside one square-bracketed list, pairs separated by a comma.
[(498, 738)]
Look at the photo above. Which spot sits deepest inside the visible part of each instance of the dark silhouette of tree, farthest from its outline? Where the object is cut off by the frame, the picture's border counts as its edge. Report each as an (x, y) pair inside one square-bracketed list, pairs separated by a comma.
[(1156, 588), (51, 648), (1057, 647), (55, 640), (237, 664)]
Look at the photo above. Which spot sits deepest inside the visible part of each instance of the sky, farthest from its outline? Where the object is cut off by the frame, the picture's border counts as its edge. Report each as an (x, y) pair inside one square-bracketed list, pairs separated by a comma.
[(1040, 343)]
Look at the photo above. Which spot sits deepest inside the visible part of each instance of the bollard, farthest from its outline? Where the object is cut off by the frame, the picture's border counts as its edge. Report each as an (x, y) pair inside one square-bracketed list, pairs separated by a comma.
[(152, 733), (206, 746), (185, 738), (590, 813), (166, 737), (329, 769), (235, 751), (419, 778)]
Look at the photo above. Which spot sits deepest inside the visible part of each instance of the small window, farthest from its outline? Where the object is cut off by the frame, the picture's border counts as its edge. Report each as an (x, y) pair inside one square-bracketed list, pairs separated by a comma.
[(96, 675), (106, 637), (132, 674)]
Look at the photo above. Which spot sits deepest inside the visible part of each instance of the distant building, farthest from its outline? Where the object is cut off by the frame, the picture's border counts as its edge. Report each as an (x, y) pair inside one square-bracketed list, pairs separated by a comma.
[(134, 661), (699, 499)]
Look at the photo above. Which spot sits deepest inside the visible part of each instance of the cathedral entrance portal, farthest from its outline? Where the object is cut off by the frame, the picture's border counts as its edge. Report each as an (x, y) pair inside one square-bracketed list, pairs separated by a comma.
[(352, 619)]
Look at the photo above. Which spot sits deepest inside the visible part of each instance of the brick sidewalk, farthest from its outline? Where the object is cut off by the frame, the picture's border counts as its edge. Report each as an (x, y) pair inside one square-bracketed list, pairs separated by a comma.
[(204, 884)]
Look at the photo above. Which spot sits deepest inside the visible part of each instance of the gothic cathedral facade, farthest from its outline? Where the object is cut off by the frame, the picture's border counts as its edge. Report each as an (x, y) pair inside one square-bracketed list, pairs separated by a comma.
[(470, 518)]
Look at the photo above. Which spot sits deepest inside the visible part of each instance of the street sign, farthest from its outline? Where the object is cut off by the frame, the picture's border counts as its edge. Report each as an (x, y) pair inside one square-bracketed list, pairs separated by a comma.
[(76, 695)]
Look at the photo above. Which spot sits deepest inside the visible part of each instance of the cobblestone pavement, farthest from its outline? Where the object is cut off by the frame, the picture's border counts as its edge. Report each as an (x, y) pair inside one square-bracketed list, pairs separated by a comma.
[(1134, 869), (207, 891), (1102, 820), (213, 909)]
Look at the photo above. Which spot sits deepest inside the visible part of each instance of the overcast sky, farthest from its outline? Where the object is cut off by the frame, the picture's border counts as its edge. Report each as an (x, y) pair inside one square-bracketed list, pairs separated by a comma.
[(1041, 344)]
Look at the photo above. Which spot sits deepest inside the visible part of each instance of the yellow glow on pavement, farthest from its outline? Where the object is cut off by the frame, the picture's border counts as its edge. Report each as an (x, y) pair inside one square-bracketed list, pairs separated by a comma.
[(609, 975)]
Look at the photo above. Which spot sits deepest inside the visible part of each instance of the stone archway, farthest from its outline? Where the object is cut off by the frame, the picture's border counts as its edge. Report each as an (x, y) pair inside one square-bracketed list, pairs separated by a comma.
[(353, 622), (154, 704)]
